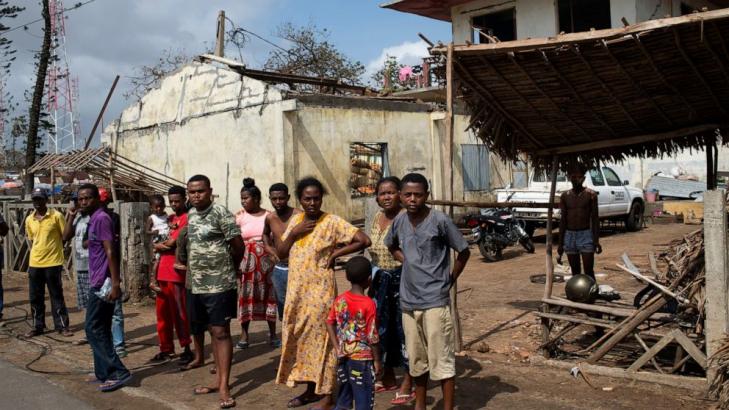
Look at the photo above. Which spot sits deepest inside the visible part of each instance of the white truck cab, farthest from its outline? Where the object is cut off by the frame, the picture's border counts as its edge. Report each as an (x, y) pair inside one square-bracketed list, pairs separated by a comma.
[(616, 200)]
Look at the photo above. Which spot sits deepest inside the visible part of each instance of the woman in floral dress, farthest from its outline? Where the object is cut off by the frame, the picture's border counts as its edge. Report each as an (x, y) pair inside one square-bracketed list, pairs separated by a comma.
[(311, 242)]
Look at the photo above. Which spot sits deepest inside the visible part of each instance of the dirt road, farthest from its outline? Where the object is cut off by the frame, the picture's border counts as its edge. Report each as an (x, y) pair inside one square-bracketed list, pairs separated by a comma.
[(496, 302)]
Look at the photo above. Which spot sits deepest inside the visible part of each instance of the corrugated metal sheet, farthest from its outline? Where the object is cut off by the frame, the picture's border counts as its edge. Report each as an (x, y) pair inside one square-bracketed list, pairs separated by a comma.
[(676, 188), (475, 167)]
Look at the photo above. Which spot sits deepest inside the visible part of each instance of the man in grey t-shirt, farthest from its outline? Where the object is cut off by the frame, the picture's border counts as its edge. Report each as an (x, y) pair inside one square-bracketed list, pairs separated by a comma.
[(421, 239)]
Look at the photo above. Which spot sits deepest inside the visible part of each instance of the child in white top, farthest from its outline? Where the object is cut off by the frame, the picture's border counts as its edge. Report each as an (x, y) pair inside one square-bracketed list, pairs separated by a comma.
[(158, 227)]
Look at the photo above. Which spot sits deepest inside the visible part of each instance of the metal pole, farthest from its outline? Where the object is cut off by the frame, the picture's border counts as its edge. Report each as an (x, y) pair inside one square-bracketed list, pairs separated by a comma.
[(101, 113)]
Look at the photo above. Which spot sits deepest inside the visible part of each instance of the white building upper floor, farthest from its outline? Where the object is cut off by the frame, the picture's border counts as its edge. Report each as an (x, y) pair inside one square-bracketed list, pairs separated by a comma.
[(475, 21)]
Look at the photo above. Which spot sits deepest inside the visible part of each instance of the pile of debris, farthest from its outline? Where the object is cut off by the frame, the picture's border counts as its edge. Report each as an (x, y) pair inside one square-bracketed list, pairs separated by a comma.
[(686, 269), (720, 385)]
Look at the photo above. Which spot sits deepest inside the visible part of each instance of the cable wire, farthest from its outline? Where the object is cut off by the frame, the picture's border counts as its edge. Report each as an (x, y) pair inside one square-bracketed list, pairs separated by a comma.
[(74, 7)]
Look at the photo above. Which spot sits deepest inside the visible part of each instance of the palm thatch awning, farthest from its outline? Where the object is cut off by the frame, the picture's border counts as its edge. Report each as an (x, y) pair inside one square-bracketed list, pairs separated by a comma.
[(103, 164), (646, 90)]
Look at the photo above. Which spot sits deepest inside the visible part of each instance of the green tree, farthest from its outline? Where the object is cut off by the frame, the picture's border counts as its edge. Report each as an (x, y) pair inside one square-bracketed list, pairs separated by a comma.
[(313, 54)]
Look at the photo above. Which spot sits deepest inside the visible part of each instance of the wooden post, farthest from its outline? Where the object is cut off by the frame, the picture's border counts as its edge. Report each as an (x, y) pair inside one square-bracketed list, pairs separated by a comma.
[(450, 93), (717, 272), (53, 186), (220, 35), (550, 214), (549, 271), (710, 177), (136, 261)]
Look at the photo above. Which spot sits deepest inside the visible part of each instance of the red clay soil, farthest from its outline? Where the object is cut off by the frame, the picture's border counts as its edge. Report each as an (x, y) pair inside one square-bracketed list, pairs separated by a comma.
[(496, 304)]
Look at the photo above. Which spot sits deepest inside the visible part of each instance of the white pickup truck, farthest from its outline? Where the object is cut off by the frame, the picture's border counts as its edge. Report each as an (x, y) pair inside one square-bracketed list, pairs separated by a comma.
[(616, 200)]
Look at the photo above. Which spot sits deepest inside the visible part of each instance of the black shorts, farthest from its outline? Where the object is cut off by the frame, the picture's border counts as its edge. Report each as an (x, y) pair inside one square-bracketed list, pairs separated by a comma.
[(213, 309), (195, 327)]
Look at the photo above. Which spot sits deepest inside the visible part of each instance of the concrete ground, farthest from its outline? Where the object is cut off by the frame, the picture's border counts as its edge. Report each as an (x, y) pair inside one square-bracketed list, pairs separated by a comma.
[(495, 302)]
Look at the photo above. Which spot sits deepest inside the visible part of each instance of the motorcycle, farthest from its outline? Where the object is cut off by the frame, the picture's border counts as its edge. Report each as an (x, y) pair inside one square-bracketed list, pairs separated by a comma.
[(495, 229)]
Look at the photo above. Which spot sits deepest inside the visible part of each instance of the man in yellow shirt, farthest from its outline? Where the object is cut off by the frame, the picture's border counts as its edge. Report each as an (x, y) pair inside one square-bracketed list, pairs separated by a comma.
[(44, 228)]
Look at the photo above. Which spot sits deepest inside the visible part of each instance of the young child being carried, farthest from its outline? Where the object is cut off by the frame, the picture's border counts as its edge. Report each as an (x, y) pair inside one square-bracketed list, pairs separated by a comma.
[(158, 227), (353, 329)]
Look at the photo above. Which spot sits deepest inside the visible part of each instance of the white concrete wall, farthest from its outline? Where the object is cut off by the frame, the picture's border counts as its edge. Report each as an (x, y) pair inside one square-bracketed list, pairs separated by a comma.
[(322, 137), (534, 18), (206, 120)]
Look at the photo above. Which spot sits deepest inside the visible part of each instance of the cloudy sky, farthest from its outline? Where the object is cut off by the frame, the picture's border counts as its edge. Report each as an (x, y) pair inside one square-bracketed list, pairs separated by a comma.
[(109, 37)]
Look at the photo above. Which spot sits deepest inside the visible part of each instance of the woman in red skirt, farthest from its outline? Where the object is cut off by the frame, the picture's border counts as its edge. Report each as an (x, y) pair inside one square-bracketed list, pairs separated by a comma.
[(256, 299)]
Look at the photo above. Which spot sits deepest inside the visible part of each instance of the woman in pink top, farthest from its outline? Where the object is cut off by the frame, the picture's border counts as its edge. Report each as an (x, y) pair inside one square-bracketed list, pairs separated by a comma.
[(256, 300)]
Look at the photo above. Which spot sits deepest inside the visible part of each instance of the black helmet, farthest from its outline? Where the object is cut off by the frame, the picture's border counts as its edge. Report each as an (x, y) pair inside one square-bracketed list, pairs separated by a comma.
[(581, 289)]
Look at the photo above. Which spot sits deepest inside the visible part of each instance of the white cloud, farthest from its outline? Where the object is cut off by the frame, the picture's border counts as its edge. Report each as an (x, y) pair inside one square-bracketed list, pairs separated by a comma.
[(409, 53)]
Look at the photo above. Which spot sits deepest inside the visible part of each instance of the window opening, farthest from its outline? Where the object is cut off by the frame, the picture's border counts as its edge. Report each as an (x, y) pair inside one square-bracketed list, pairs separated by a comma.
[(501, 25), (368, 163)]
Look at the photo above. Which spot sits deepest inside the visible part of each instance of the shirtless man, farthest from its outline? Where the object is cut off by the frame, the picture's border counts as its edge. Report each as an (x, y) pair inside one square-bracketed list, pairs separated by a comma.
[(579, 224), (276, 223)]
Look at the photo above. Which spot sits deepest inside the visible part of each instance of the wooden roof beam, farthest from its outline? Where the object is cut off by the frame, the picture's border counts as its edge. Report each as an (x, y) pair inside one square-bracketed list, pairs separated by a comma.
[(636, 85), (605, 88), (715, 55), (486, 95), (585, 36), (577, 95), (545, 95), (649, 58), (619, 142), (526, 100), (697, 72)]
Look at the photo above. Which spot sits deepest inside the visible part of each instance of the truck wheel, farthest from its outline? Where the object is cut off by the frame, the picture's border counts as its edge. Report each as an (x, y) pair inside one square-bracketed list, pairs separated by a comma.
[(489, 251), (634, 220)]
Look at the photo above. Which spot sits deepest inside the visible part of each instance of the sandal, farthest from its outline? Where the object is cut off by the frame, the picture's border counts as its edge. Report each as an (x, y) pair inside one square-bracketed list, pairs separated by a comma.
[(161, 357), (275, 343), (381, 388), (111, 385), (302, 400), (227, 403), (242, 345), (201, 390), (190, 366), (402, 399)]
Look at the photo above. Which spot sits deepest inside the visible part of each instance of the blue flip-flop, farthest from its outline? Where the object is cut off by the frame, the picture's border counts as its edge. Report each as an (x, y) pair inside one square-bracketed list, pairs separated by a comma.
[(111, 385)]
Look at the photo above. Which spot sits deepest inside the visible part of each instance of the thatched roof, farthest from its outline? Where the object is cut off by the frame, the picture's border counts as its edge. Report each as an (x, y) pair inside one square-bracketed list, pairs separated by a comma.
[(646, 90)]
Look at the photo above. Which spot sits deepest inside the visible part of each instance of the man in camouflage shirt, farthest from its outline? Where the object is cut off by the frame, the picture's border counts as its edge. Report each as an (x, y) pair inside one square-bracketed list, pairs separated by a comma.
[(215, 249)]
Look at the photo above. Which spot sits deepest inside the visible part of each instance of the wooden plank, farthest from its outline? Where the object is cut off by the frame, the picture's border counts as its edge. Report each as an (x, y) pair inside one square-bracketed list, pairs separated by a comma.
[(642, 360), (645, 347), (470, 204), (691, 349), (655, 284), (619, 312), (577, 319), (644, 313), (638, 139), (586, 36), (654, 263), (684, 382)]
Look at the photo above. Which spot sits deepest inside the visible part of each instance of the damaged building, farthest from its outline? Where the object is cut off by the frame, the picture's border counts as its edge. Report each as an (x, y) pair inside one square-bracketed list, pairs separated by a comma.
[(220, 119)]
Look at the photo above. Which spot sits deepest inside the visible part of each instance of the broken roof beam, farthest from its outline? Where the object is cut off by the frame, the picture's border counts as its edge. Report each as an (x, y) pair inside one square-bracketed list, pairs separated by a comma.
[(619, 142), (577, 95), (696, 71), (556, 106), (494, 102), (493, 68), (649, 58), (585, 36), (635, 84)]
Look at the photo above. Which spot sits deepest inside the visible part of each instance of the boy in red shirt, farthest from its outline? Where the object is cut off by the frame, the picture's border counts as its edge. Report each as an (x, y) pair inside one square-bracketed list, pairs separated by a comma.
[(352, 327)]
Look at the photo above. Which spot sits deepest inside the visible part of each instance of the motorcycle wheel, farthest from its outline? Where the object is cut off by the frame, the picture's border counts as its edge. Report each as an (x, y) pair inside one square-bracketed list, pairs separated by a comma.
[(527, 244), (490, 252)]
